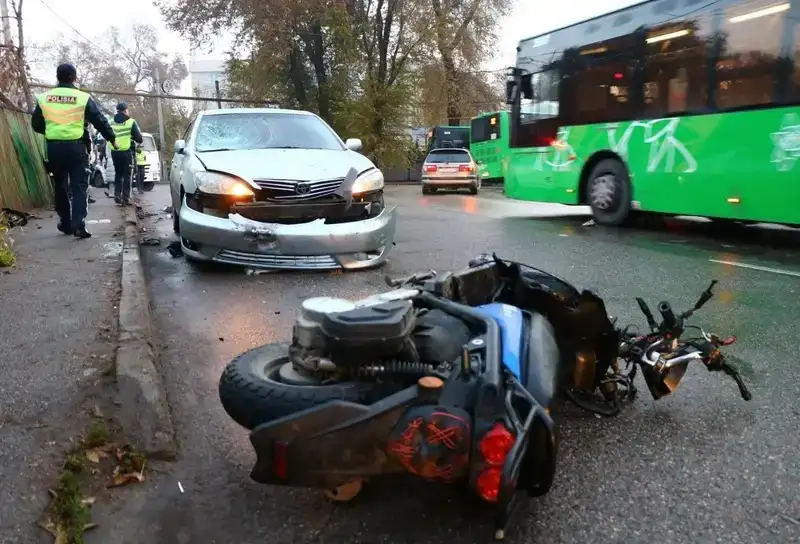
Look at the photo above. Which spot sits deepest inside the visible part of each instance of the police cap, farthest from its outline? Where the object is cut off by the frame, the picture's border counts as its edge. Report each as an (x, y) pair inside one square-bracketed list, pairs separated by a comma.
[(122, 106), (66, 73)]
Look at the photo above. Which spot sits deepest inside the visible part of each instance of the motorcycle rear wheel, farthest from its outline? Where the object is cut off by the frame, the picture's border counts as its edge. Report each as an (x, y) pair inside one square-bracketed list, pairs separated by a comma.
[(251, 393)]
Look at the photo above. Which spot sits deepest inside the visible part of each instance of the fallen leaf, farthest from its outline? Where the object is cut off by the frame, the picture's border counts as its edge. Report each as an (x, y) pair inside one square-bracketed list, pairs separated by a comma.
[(125, 478), (95, 454)]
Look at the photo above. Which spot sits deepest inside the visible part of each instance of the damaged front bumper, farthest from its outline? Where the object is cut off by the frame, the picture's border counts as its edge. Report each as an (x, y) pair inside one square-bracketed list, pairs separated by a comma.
[(315, 245)]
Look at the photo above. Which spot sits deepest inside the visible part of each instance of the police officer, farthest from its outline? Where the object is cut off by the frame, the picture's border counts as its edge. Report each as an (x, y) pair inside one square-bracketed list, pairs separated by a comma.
[(126, 130), (60, 115), (141, 162)]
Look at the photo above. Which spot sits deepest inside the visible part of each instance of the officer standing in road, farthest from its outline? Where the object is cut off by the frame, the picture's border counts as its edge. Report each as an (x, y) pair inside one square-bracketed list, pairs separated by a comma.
[(126, 130), (141, 162), (60, 115)]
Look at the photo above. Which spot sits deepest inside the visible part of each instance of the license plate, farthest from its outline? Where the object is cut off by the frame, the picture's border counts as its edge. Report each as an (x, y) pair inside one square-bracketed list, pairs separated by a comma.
[(449, 170)]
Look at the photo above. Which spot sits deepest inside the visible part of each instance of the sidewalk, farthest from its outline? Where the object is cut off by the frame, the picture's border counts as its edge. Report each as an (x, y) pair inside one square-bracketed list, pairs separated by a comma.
[(57, 335)]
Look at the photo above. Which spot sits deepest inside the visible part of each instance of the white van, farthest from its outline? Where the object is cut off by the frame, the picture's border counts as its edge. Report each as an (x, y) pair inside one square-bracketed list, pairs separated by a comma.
[(152, 170)]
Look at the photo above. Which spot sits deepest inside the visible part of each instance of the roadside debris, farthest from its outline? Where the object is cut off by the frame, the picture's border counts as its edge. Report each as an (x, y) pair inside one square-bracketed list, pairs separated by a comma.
[(150, 241), (589, 223), (167, 209), (256, 272), (15, 218), (174, 249)]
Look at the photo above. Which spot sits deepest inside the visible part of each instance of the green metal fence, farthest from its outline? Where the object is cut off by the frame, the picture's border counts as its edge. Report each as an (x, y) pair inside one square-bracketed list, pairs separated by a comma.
[(24, 183)]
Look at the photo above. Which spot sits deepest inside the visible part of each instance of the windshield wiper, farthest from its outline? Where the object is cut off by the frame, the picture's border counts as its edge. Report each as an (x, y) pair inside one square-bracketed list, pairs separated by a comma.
[(217, 149)]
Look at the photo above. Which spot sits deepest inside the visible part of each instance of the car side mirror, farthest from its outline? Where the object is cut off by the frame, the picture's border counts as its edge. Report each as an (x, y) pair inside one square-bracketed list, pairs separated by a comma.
[(180, 146), (353, 144)]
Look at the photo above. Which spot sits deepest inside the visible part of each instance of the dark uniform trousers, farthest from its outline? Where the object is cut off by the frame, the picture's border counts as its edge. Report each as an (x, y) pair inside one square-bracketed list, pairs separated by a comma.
[(123, 171), (68, 163)]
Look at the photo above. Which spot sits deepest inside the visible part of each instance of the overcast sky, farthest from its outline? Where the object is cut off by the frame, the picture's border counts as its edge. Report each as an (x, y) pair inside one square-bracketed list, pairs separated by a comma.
[(46, 20)]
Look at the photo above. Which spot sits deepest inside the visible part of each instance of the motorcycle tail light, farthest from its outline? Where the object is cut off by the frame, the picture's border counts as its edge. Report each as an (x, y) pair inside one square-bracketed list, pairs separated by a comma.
[(496, 444), (280, 464), (488, 484), (494, 447)]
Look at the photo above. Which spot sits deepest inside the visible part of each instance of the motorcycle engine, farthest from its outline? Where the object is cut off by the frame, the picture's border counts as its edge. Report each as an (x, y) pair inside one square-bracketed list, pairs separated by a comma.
[(338, 336)]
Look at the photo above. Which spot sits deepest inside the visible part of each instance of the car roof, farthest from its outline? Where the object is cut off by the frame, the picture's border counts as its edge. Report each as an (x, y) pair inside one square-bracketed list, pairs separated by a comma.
[(259, 111)]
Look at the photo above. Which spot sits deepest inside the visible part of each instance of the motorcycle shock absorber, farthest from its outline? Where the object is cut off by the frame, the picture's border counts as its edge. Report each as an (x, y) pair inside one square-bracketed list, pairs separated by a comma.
[(395, 368)]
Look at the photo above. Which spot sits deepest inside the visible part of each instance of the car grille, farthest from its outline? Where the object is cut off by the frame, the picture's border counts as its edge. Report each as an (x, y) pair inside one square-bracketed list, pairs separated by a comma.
[(257, 260), (286, 190)]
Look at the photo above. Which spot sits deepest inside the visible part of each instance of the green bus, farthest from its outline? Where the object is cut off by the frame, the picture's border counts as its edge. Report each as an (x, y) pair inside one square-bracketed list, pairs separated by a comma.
[(489, 144), (679, 107), (447, 136)]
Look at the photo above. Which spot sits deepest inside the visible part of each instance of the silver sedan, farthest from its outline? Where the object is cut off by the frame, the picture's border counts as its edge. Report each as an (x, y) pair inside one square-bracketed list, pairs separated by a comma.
[(272, 188)]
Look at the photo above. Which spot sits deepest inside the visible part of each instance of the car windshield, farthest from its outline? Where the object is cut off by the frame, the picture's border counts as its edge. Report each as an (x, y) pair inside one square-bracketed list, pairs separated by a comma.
[(148, 144), (448, 155), (238, 131)]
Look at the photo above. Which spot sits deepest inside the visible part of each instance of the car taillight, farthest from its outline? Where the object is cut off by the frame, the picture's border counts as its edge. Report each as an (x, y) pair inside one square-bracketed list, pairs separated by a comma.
[(466, 168), (430, 168), (494, 448), (280, 462)]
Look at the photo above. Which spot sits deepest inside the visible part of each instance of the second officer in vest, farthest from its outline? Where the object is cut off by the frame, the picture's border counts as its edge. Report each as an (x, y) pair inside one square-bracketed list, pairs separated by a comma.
[(126, 131), (60, 115)]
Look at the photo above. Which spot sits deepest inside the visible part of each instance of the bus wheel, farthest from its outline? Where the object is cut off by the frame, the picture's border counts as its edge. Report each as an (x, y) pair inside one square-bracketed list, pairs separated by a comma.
[(609, 192)]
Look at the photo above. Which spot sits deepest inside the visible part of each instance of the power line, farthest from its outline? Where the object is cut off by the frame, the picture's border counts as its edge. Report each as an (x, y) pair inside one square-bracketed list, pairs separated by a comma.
[(87, 40)]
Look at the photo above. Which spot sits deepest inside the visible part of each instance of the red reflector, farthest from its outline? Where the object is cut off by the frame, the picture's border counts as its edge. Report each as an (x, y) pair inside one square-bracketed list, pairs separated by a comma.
[(496, 444), (488, 484), (465, 168), (280, 460), (618, 75), (430, 168)]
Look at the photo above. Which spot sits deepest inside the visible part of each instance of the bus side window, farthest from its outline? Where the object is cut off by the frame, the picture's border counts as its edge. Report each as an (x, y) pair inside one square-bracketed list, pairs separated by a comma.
[(752, 33), (676, 67)]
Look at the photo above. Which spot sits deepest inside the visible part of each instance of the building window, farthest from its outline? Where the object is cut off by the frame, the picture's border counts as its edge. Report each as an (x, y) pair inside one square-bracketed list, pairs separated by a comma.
[(750, 47), (675, 75)]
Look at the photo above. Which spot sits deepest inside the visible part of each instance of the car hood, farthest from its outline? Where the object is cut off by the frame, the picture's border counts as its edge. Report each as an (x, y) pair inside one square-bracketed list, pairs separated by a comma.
[(286, 164)]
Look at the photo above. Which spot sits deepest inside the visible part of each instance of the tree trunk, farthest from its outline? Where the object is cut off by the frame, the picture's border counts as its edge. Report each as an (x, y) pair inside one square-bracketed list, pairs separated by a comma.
[(451, 81), (296, 77), (315, 50), (23, 73)]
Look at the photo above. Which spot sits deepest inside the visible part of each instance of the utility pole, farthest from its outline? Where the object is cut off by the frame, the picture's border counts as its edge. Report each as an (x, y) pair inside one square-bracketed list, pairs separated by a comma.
[(162, 154), (219, 102), (6, 22)]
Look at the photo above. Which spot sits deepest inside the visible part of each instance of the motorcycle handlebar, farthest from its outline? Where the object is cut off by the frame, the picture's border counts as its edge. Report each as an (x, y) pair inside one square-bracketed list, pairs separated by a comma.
[(417, 278)]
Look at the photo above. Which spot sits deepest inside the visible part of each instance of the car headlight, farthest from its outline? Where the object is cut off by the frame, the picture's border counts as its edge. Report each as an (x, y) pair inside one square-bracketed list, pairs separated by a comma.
[(221, 184), (368, 181)]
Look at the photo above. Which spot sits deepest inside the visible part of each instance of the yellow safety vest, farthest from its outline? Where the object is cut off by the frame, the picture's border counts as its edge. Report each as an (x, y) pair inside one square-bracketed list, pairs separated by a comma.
[(141, 160), (64, 112), (123, 133)]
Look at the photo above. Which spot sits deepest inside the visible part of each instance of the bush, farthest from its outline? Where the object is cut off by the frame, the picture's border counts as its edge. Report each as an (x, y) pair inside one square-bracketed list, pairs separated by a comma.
[(7, 257)]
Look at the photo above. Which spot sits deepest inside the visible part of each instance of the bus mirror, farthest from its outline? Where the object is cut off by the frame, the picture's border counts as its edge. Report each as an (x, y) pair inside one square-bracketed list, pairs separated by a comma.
[(511, 87), (527, 88)]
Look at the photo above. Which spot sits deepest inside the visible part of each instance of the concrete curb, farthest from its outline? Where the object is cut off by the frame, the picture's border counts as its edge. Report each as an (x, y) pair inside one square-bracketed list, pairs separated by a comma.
[(144, 413)]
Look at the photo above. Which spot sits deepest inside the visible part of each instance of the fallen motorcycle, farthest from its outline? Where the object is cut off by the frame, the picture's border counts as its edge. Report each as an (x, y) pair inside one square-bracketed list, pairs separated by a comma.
[(451, 378)]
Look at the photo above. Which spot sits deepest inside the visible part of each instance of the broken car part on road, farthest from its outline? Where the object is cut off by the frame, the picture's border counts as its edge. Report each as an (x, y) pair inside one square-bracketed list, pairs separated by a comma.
[(450, 378)]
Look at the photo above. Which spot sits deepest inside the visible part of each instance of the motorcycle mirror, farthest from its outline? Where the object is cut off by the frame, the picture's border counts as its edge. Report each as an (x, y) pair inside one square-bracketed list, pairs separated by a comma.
[(705, 296)]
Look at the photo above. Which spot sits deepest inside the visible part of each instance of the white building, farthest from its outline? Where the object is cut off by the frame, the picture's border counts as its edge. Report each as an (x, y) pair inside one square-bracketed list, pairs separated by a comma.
[(203, 74)]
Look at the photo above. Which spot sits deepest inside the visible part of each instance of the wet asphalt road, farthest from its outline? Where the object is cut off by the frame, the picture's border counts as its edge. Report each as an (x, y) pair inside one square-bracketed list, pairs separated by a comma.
[(702, 466)]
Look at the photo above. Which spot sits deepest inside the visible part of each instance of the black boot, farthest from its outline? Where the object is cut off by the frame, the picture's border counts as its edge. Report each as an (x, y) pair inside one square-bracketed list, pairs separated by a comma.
[(64, 228), (81, 232)]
